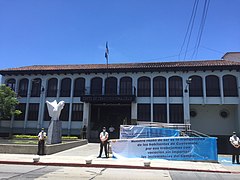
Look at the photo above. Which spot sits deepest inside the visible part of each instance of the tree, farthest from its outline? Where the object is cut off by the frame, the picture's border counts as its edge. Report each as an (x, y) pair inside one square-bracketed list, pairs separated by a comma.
[(8, 102)]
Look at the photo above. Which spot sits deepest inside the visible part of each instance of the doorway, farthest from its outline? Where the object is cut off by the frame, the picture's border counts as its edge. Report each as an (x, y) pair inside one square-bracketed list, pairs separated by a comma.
[(106, 115)]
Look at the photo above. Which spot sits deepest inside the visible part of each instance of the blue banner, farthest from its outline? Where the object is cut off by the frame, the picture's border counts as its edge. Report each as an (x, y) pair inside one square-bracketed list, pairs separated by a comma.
[(170, 148), (130, 132)]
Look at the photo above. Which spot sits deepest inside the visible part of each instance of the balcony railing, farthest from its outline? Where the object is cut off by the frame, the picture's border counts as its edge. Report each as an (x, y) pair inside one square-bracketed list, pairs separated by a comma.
[(109, 95)]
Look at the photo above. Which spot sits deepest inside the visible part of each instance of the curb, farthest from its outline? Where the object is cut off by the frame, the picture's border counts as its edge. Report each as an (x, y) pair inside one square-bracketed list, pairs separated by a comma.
[(115, 166)]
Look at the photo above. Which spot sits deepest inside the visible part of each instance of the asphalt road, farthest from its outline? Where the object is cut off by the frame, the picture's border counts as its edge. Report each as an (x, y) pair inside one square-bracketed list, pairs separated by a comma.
[(18, 172)]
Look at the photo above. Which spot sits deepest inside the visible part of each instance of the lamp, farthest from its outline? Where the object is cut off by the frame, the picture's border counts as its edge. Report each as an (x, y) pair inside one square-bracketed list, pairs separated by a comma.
[(188, 82)]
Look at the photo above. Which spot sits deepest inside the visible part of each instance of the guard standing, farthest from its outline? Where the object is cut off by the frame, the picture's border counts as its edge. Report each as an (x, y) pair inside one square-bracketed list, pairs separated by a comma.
[(41, 142), (103, 143), (235, 142), (84, 132)]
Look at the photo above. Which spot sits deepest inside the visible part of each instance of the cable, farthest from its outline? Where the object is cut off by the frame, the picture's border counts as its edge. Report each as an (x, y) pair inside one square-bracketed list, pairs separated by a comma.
[(190, 26), (201, 27), (191, 30), (214, 50)]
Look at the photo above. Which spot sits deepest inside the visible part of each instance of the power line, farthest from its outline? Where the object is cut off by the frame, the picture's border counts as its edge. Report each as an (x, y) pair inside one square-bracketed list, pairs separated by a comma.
[(201, 27), (214, 50), (189, 28)]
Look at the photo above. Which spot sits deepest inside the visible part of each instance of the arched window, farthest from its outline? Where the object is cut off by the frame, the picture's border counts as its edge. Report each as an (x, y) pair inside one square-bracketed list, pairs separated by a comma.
[(52, 87), (159, 86), (212, 86), (175, 86), (111, 86), (65, 87), (79, 87), (196, 87), (11, 83), (23, 88), (126, 86), (144, 87), (230, 86), (36, 87), (96, 86)]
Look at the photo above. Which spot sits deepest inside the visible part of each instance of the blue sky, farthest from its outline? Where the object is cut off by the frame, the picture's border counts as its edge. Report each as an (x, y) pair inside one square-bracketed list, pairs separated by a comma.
[(75, 31)]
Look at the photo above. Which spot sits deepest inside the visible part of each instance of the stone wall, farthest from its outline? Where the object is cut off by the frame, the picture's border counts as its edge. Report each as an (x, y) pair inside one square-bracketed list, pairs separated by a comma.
[(32, 149)]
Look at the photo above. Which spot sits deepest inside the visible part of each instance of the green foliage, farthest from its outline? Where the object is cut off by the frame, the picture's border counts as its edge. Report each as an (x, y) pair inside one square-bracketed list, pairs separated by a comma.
[(29, 142), (69, 137), (8, 102), (23, 136)]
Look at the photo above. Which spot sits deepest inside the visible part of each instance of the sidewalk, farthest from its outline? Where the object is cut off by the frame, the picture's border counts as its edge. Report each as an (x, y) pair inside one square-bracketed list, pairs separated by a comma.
[(78, 156)]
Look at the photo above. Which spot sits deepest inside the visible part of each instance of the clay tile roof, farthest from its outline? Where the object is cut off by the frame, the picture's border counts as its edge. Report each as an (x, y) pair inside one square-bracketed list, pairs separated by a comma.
[(126, 67)]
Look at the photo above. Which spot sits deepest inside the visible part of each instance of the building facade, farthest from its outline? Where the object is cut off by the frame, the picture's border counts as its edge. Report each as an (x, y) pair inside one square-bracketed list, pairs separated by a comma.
[(204, 94)]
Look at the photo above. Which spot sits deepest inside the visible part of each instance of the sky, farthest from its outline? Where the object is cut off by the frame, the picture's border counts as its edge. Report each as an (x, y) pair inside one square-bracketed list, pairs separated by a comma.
[(52, 32)]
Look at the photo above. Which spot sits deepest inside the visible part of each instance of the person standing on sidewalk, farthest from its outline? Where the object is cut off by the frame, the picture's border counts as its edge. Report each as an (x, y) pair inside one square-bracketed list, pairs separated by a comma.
[(111, 132), (103, 142), (41, 142), (235, 142), (84, 132)]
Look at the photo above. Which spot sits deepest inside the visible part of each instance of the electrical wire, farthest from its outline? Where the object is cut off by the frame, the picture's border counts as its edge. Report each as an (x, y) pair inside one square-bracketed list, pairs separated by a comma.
[(201, 28), (189, 29)]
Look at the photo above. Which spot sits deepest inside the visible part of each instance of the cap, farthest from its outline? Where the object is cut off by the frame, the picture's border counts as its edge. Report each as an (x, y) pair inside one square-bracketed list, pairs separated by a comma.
[(234, 132)]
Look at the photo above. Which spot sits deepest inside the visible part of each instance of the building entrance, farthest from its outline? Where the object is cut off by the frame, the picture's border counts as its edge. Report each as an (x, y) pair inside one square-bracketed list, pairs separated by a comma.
[(108, 115)]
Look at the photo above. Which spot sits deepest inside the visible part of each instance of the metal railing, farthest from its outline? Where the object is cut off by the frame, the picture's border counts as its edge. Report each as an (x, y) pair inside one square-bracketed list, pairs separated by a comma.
[(179, 126)]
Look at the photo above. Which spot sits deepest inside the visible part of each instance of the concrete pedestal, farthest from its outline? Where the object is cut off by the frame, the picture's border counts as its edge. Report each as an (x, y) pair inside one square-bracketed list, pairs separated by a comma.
[(54, 135)]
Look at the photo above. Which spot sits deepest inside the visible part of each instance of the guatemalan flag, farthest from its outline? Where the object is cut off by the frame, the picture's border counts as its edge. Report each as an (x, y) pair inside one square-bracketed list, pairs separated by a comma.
[(107, 51)]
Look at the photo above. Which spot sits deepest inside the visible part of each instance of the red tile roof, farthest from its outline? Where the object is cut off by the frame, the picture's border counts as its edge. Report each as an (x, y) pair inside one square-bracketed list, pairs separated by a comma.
[(126, 67)]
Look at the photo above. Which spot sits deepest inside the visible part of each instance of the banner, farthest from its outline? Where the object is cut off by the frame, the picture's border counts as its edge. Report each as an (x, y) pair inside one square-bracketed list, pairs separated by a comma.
[(132, 131), (170, 148)]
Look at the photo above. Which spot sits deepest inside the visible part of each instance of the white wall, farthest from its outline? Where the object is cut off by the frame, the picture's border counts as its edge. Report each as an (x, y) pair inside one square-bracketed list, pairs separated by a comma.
[(209, 121)]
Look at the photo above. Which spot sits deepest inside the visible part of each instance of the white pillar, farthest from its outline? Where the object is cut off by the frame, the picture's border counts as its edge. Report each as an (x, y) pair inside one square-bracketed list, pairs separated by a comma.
[(237, 124), (58, 88), (151, 98), (42, 102), (204, 90), (134, 104), (86, 111), (167, 96), (134, 111), (70, 106), (221, 89), (27, 104), (186, 106)]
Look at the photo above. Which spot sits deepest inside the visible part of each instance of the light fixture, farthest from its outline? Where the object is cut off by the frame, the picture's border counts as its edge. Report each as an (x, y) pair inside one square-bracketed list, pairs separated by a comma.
[(188, 82)]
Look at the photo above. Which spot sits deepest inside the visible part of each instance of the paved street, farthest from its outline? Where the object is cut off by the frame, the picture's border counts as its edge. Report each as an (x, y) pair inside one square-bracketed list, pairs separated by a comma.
[(18, 172), (70, 164)]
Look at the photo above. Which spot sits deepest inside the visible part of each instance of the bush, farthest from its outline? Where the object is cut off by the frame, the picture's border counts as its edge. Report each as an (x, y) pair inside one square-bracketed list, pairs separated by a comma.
[(36, 137)]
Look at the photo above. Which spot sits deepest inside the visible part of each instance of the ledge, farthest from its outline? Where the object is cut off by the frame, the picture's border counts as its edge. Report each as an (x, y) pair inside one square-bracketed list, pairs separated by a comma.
[(32, 149)]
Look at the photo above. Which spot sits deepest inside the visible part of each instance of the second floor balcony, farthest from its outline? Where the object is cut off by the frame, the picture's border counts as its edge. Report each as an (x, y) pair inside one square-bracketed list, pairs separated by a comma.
[(108, 95)]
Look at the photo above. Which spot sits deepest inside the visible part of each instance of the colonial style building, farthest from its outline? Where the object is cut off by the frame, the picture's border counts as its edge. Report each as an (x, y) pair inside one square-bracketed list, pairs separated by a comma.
[(204, 94)]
